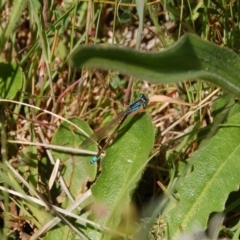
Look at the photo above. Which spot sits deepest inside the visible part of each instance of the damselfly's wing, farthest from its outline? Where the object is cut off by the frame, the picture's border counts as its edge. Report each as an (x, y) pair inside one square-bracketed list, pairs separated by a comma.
[(103, 132)]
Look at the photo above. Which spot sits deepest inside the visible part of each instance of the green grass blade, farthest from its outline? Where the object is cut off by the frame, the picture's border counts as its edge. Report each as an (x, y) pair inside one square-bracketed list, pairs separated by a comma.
[(16, 12)]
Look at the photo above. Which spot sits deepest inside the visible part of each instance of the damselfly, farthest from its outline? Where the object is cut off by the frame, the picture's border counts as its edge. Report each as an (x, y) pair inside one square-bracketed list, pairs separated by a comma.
[(103, 132)]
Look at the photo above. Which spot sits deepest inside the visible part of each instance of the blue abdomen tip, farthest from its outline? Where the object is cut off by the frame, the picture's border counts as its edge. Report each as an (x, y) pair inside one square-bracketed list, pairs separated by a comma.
[(94, 159)]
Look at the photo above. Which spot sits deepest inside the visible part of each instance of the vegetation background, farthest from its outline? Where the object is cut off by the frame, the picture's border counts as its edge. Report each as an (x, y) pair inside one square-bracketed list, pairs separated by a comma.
[(184, 157)]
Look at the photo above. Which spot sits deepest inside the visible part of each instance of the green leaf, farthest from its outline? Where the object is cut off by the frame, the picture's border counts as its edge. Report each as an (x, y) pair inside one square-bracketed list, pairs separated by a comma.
[(190, 57), (122, 168), (62, 233), (77, 168), (215, 174), (10, 80), (125, 17)]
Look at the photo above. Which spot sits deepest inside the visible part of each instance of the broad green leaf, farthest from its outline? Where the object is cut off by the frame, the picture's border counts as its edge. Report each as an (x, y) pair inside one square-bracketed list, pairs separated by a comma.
[(77, 168), (30, 158), (215, 174), (63, 233), (225, 104), (10, 80), (190, 57), (122, 168)]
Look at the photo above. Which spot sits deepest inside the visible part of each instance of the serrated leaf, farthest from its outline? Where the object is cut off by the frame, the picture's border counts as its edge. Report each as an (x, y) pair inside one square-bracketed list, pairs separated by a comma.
[(216, 173), (77, 168), (122, 168), (190, 57), (10, 80)]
